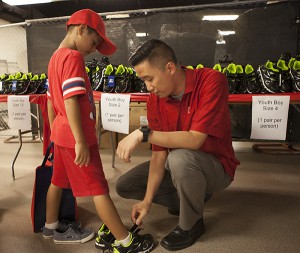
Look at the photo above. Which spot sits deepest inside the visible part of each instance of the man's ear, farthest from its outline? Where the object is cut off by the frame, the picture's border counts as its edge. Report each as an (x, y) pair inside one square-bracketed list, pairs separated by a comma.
[(171, 67)]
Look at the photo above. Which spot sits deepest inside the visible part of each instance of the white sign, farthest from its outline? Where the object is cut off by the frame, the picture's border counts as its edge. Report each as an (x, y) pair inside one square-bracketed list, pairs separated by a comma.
[(19, 116), (269, 117), (115, 112)]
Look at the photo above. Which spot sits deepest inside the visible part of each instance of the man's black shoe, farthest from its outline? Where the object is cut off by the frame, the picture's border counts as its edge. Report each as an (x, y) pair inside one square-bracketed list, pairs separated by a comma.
[(180, 239), (175, 212)]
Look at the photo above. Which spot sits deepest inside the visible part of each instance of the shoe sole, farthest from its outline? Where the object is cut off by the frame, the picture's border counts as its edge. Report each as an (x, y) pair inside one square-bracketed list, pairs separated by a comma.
[(47, 236), (83, 240)]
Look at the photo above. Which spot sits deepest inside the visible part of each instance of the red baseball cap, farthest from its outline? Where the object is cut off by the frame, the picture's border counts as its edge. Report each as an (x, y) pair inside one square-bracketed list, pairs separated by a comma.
[(94, 21)]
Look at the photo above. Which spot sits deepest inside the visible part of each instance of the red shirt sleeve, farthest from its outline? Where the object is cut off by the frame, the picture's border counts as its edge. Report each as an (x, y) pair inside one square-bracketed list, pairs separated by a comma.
[(73, 82)]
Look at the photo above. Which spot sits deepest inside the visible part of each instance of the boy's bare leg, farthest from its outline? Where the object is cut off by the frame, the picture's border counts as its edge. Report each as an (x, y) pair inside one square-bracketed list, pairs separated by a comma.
[(109, 215), (53, 203)]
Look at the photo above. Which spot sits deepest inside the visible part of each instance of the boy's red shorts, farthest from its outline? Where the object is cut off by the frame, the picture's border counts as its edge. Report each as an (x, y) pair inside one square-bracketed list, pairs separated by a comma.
[(84, 181)]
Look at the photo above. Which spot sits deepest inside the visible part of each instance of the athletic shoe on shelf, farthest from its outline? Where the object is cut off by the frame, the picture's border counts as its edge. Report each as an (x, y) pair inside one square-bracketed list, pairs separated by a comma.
[(43, 84), (33, 85), (269, 78), (3, 77), (109, 82), (7, 85), (62, 226), (231, 75), (73, 234), (96, 72), (121, 80), (217, 67), (251, 81), (295, 75), (285, 81), (138, 244), (240, 80), (20, 85), (199, 66)]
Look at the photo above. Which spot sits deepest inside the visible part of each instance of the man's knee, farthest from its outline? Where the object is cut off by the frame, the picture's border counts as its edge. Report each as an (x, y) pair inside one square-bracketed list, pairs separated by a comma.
[(177, 160), (122, 187)]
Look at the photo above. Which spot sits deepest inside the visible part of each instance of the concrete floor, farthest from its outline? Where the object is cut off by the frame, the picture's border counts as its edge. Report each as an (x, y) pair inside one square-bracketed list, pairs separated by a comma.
[(258, 213)]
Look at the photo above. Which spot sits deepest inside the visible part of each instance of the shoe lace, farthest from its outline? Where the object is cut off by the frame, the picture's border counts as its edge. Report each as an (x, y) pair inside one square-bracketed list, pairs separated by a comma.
[(76, 229)]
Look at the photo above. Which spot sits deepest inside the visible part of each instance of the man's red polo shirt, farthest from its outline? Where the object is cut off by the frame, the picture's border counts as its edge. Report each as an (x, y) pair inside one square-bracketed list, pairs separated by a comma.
[(203, 108)]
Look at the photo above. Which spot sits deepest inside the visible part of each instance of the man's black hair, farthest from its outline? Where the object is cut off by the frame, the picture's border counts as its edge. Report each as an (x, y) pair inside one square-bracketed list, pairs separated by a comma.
[(153, 50)]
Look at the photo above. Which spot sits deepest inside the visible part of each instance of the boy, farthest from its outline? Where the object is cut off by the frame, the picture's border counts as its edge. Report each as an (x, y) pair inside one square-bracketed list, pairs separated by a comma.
[(77, 162)]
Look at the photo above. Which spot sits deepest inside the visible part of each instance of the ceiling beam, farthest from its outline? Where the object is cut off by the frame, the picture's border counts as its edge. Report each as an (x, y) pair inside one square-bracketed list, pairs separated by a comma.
[(12, 10)]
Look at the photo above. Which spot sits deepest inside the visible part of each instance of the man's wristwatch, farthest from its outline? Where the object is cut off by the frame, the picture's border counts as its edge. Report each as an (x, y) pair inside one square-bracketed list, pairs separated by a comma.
[(146, 131)]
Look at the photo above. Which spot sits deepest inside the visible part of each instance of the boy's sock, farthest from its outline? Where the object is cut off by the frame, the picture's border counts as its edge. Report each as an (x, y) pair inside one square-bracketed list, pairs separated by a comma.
[(125, 241), (53, 225)]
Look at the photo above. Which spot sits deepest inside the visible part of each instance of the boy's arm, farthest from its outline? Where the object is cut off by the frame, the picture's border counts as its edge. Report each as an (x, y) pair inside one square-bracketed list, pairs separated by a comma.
[(81, 148), (51, 113)]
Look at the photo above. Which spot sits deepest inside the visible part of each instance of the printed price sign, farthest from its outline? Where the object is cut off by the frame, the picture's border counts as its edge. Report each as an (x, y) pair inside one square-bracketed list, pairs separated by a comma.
[(269, 117), (115, 112), (19, 116)]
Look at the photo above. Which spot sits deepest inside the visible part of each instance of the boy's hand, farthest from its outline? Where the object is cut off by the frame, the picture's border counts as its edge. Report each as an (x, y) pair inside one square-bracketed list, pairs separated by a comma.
[(82, 154)]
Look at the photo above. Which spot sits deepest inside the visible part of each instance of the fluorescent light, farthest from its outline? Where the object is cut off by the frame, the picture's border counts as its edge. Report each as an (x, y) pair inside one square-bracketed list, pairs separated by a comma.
[(117, 16), (225, 33), (25, 2), (220, 17), (220, 42), (141, 34)]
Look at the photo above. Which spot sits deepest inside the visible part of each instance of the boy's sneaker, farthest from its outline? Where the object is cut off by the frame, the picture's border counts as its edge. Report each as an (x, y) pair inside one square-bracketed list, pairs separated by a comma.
[(104, 238), (73, 234), (138, 244), (63, 225)]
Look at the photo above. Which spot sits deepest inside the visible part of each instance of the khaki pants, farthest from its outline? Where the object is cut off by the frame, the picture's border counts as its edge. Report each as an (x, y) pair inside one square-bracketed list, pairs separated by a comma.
[(189, 175)]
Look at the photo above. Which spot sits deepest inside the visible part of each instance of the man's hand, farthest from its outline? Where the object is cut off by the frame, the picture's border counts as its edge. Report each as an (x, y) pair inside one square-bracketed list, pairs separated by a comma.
[(139, 211), (82, 154), (128, 144)]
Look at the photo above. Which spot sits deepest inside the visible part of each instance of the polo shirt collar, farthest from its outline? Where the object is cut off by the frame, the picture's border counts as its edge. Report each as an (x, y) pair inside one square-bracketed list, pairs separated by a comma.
[(190, 78)]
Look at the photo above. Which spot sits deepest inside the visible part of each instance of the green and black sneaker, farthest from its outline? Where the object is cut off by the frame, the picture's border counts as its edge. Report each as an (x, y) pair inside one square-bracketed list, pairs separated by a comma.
[(218, 67), (109, 82), (105, 240), (240, 80), (138, 244), (295, 75), (121, 79), (268, 77), (251, 81), (285, 81), (231, 75)]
